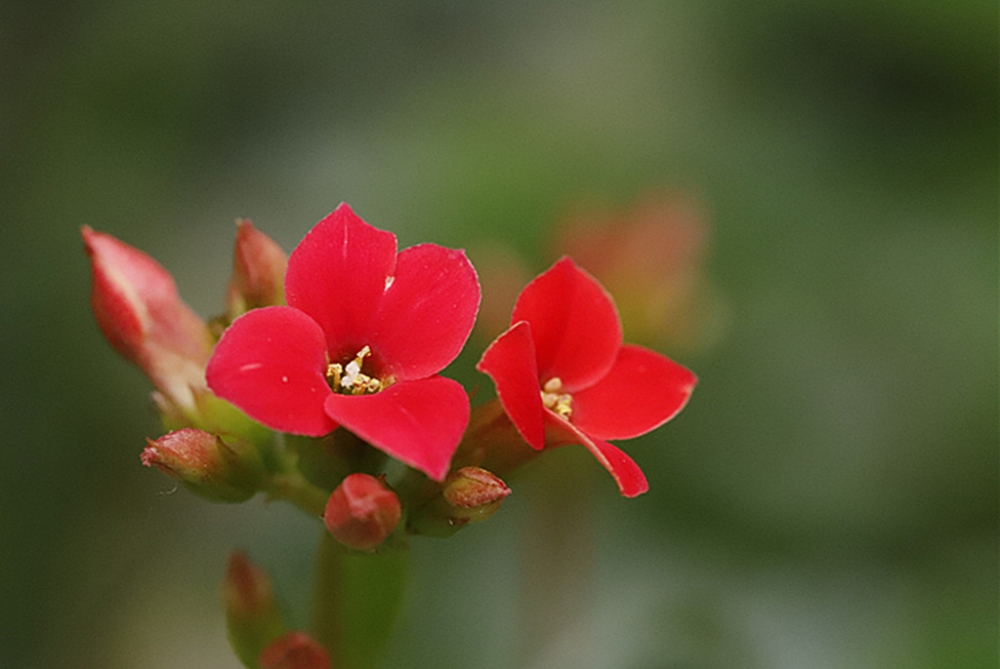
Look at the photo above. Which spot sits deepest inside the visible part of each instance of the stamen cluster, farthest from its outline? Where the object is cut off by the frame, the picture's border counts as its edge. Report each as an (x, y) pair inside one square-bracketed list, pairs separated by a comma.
[(349, 379), (553, 398)]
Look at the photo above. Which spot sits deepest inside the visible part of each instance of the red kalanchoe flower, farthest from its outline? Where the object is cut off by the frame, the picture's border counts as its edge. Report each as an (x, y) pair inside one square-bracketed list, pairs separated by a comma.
[(360, 344), (562, 366)]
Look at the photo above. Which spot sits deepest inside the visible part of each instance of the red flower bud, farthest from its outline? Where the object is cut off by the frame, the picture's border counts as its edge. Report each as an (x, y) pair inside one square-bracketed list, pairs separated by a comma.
[(362, 512), (295, 650), (474, 494), (137, 307), (252, 616), (258, 271), (208, 466)]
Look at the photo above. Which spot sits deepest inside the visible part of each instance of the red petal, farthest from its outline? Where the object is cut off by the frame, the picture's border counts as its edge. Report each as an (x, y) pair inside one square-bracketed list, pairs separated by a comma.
[(337, 275), (643, 391), (574, 324), (427, 312), (271, 363), (417, 422), (630, 479), (510, 362)]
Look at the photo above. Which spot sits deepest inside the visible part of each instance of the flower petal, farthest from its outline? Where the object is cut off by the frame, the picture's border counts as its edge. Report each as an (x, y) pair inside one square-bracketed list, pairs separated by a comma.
[(626, 473), (574, 324), (510, 362), (271, 363), (427, 312), (643, 391), (418, 422), (337, 275)]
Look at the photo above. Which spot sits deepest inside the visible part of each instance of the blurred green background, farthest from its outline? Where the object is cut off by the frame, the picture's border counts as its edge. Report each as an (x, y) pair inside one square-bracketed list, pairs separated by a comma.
[(827, 499)]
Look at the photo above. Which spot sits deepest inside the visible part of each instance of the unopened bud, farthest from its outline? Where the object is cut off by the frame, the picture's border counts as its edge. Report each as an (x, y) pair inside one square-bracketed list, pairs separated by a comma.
[(474, 494), (469, 495), (252, 617), (295, 650), (259, 267), (362, 512), (208, 466), (137, 307)]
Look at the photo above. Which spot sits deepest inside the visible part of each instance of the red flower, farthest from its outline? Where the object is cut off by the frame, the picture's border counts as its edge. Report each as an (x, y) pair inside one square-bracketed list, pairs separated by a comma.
[(562, 366), (360, 344)]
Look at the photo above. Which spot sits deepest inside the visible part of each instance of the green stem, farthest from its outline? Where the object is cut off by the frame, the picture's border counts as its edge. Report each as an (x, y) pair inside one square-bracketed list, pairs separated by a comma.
[(492, 442), (328, 614), (357, 599), (291, 486)]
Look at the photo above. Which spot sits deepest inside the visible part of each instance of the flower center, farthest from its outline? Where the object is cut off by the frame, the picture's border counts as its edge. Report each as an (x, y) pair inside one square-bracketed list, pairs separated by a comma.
[(553, 398), (349, 379)]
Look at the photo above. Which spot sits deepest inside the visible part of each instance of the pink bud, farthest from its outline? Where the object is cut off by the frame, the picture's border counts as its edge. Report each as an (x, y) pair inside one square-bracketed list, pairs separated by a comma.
[(252, 616), (137, 307), (208, 466), (362, 512), (474, 494), (258, 271), (295, 650), (469, 495), (246, 590)]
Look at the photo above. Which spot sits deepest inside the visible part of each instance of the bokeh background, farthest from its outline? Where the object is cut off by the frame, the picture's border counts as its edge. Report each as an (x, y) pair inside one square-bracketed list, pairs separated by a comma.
[(827, 499)]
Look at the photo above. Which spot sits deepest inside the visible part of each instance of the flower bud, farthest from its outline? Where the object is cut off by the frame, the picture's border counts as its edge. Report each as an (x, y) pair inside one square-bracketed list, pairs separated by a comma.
[(362, 512), (208, 466), (474, 494), (252, 617), (469, 495), (295, 650), (258, 271), (137, 307)]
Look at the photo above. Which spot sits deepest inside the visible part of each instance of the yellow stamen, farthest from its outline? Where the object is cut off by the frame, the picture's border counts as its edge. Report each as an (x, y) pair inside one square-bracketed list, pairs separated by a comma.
[(561, 403), (349, 379)]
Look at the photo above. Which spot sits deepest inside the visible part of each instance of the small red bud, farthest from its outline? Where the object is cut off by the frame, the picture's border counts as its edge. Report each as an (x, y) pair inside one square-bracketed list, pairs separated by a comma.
[(252, 616), (295, 650), (207, 465), (137, 307), (469, 495), (474, 493), (259, 267), (362, 512)]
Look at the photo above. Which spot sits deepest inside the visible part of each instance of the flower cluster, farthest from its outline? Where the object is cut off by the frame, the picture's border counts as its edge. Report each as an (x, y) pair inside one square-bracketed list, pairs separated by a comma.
[(354, 334), (325, 369)]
